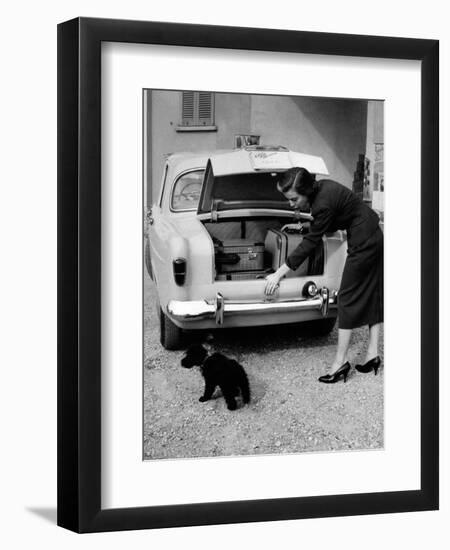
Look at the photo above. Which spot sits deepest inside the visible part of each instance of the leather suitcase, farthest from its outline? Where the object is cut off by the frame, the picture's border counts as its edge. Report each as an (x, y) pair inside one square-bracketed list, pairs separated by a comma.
[(280, 244), (239, 255)]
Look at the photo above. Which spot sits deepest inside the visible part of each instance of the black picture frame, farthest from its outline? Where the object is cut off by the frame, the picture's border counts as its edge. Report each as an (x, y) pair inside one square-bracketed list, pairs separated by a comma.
[(79, 274)]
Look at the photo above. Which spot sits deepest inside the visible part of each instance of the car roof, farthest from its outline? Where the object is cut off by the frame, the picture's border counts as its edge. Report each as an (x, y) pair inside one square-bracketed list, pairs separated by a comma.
[(189, 159)]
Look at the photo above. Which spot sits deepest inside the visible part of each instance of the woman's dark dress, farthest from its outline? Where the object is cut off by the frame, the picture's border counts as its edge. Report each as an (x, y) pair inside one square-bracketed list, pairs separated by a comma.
[(360, 297)]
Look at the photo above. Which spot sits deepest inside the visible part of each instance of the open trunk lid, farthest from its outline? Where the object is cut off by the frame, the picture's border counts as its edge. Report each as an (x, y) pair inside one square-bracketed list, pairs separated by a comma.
[(247, 178)]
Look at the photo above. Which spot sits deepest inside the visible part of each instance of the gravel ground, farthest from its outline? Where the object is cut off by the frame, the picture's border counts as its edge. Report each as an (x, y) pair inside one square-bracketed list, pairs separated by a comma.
[(290, 411)]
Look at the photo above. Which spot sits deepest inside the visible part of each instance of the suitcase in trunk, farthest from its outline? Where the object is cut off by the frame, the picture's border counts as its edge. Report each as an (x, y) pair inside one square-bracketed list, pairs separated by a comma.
[(280, 244), (239, 255)]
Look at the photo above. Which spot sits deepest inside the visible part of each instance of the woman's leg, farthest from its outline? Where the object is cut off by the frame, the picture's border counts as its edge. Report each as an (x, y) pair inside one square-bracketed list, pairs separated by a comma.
[(372, 348), (344, 335)]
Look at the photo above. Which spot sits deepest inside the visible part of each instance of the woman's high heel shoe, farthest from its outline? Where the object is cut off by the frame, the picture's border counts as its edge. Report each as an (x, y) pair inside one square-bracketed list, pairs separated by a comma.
[(373, 364), (332, 378)]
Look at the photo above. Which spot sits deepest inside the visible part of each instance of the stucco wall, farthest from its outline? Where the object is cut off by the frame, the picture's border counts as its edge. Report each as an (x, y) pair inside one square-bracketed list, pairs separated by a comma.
[(332, 128)]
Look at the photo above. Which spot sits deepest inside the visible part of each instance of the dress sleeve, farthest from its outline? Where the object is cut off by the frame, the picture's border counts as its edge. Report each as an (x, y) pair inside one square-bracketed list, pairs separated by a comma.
[(319, 226)]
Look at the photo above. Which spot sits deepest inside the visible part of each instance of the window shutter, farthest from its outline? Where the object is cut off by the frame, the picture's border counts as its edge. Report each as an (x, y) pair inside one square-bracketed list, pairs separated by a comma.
[(187, 114), (205, 108), (197, 109)]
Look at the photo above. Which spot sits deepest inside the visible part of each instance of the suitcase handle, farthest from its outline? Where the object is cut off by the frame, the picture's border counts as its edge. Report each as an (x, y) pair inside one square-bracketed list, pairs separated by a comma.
[(228, 259), (293, 228)]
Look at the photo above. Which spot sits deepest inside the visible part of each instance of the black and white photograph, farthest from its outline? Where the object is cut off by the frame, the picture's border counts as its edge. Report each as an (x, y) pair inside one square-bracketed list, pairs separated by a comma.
[(263, 274)]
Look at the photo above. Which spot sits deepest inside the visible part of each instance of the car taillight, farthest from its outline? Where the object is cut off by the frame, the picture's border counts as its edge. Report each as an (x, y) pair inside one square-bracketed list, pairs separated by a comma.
[(179, 271), (310, 289)]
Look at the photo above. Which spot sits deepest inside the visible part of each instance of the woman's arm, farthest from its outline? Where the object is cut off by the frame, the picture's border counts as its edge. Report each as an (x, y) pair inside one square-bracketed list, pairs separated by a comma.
[(322, 221)]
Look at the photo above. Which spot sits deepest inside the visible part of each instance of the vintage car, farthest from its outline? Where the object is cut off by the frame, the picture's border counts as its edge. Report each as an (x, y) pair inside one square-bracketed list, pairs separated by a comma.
[(219, 227)]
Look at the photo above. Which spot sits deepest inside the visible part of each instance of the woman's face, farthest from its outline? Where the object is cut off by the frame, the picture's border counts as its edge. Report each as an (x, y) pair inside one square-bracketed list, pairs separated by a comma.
[(296, 201)]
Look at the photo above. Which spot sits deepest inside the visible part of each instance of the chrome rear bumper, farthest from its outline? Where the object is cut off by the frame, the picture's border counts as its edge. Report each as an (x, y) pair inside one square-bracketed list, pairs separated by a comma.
[(201, 309)]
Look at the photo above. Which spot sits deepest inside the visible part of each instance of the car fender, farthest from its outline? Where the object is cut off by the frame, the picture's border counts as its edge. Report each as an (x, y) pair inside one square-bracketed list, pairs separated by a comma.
[(185, 237)]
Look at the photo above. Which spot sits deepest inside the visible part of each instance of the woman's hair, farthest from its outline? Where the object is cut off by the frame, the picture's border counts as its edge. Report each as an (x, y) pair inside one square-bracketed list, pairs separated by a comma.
[(298, 179)]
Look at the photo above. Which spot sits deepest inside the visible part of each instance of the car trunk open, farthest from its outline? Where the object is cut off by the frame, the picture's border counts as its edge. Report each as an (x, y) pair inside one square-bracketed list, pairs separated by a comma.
[(253, 247), (246, 215)]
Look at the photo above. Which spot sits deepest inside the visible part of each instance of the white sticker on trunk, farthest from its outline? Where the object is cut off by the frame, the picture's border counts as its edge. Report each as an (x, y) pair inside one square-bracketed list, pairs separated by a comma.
[(270, 160)]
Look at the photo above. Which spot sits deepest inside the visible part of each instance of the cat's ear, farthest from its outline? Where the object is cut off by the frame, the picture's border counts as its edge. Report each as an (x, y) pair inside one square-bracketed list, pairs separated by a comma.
[(208, 346)]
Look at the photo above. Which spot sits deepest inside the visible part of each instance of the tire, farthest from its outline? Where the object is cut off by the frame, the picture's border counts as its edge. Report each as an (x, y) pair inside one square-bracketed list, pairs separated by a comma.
[(171, 336), (321, 327), (148, 263)]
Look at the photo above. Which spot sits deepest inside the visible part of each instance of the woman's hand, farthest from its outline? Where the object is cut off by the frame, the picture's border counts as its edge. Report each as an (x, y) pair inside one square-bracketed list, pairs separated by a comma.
[(272, 283), (273, 280)]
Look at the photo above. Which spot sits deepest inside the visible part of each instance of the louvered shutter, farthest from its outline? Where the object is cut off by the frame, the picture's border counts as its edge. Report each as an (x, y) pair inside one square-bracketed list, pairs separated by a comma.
[(197, 109), (205, 108), (187, 110)]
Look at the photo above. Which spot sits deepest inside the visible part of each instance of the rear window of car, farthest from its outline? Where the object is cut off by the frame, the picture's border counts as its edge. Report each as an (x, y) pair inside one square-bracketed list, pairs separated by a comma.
[(186, 191)]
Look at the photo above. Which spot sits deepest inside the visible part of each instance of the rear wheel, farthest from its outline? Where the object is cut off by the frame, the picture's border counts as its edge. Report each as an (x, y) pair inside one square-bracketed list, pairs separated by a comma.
[(171, 336)]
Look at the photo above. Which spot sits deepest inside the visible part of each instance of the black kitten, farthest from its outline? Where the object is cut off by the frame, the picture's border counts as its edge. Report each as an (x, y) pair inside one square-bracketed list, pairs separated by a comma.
[(218, 370)]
